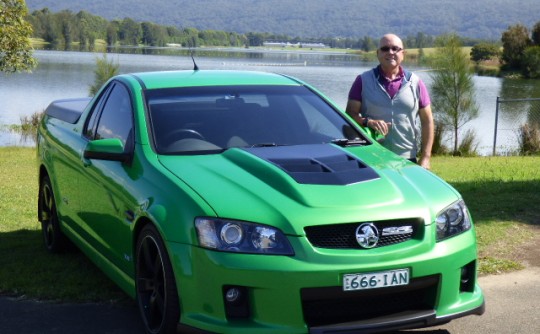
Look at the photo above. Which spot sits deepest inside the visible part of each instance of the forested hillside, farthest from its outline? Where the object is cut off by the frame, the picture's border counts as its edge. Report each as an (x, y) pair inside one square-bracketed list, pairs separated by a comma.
[(483, 19)]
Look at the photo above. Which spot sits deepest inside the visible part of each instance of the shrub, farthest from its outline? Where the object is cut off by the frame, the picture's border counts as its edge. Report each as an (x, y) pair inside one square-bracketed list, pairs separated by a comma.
[(530, 65), (438, 146), (469, 144), (105, 69), (29, 126), (529, 140), (484, 51)]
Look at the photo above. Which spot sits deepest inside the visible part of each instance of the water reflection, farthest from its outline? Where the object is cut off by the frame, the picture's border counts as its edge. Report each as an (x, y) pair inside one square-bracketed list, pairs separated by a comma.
[(330, 58), (517, 108)]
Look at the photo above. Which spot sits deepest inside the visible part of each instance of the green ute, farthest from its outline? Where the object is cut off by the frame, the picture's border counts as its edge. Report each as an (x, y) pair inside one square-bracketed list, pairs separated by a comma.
[(247, 202)]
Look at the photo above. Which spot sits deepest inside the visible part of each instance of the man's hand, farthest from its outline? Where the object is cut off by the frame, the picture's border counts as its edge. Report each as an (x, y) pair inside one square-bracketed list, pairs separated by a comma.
[(380, 126), (425, 163)]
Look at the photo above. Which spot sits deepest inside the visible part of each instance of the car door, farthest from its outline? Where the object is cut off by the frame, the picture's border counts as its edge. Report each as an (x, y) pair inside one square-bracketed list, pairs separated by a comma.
[(106, 207)]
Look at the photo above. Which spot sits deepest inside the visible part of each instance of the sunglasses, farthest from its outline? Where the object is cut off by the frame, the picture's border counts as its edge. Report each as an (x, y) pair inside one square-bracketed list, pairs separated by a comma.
[(396, 49)]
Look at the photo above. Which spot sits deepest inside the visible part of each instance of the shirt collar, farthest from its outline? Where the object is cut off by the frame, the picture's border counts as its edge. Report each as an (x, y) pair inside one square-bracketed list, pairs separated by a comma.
[(380, 77)]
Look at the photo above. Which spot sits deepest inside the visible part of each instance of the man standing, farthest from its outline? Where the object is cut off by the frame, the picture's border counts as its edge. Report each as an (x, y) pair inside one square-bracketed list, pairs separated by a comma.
[(389, 99)]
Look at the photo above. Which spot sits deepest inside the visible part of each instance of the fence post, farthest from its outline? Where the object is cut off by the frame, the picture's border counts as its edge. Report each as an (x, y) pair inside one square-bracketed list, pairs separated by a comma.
[(495, 131)]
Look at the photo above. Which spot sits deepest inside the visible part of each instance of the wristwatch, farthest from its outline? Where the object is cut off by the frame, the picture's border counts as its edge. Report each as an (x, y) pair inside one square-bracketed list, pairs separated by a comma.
[(365, 122)]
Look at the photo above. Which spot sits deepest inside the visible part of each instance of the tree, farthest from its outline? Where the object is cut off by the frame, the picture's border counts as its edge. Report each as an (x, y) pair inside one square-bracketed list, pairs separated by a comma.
[(15, 32), (368, 44), (421, 40), (535, 34), (255, 39), (113, 29), (484, 51), (90, 28), (65, 21), (190, 37), (530, 64), (105, 70), (130, 32), (453, 87), (515, 40), (153, 34)]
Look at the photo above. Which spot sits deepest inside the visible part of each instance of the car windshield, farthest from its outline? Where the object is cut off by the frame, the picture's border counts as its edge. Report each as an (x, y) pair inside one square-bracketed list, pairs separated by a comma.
[(202, 120)]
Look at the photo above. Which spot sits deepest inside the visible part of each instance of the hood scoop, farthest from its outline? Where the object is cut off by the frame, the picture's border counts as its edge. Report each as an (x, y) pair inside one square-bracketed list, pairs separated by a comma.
[(321, 164)]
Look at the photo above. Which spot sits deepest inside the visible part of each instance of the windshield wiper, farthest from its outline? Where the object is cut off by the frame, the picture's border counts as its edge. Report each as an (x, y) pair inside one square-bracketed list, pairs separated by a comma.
[(348, 142), (265, 145)]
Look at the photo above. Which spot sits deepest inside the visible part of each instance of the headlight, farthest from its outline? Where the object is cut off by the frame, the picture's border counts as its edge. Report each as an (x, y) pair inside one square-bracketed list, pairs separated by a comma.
[(241, 237), (453, 220)]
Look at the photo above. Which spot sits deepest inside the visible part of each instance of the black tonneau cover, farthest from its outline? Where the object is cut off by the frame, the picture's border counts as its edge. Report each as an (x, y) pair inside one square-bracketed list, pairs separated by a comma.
[(67, 110)]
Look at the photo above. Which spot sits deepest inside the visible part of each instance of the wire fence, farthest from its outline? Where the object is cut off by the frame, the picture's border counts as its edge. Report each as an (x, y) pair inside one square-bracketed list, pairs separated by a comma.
[(512, 116)]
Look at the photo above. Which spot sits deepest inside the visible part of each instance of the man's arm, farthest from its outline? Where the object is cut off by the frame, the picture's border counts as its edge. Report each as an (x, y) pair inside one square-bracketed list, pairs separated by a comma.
[(428, 134), (353, 110)]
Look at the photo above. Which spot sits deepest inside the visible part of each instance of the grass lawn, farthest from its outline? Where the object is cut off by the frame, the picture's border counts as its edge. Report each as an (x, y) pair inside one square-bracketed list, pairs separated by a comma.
[(501, 192), (25, 267)]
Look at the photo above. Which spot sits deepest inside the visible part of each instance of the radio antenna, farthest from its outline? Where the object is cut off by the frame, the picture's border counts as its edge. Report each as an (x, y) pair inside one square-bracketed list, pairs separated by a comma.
[(195, 67)]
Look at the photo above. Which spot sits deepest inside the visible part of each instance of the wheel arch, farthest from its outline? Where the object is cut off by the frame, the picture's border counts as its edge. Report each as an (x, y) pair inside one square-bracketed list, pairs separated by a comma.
[(139, 225), (171, 317), (42, 173)]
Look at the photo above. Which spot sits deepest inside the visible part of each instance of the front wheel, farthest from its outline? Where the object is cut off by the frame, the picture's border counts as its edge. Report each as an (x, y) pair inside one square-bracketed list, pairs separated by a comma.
[(55, 241), (157, 295)]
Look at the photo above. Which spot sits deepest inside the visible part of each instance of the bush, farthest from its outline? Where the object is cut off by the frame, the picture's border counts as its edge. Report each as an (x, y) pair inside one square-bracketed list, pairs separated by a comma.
[(529, 140), (438, 147), (530, 65), (469, 144), (29, 126), (484, 51), (105, 70)]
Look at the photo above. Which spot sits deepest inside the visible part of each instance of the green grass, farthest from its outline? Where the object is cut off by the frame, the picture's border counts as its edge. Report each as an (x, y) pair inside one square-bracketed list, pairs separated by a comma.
[(501, 192), (25, 267)]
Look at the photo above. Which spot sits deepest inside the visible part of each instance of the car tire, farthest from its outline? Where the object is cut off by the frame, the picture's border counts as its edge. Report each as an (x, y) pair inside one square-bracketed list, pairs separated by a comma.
[(55, 241), (157, 295)]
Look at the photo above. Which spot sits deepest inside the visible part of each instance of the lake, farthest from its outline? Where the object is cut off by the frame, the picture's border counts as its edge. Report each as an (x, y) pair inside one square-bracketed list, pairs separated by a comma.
[(66, 74)]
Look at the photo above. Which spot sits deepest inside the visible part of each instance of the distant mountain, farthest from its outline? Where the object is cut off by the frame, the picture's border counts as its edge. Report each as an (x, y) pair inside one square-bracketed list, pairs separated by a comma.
[(484, 19)]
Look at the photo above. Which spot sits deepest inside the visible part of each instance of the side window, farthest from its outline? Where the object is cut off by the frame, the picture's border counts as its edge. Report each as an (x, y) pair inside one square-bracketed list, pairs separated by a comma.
[(116, 118), (90, 127)]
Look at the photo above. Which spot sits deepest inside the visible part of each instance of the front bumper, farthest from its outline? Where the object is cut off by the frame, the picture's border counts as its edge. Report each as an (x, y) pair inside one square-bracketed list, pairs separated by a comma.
[(303, 294), (400, 321)]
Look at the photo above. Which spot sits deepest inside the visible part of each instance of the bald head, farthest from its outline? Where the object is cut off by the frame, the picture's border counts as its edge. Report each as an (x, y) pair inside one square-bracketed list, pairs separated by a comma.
[(391, 39)]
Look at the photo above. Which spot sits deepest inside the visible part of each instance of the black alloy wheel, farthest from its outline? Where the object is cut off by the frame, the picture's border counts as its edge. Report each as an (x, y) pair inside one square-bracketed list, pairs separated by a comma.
[(55, 241), (157, 295)]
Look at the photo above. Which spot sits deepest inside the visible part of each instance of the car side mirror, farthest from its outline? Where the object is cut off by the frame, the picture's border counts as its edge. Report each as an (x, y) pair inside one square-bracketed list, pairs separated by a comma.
[(107, 149)]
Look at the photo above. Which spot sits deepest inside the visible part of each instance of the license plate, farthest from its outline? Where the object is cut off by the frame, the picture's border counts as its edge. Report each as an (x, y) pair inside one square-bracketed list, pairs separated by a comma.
[(382, 279)]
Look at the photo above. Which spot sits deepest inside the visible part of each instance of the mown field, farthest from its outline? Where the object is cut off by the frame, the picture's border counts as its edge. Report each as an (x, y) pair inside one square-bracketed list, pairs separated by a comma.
[(501, 192)]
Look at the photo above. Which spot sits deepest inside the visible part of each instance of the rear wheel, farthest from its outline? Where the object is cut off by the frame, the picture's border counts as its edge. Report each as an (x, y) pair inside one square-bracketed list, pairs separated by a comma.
[(55, 241), (157, 295)]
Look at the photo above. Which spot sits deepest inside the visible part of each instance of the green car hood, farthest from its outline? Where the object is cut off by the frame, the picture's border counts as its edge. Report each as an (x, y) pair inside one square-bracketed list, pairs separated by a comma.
[(291, 187)]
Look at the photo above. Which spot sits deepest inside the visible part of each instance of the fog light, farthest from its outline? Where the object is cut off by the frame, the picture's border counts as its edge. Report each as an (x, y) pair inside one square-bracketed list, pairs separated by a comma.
[(464, 275), (232, 295), (236, 302), (466, 283)]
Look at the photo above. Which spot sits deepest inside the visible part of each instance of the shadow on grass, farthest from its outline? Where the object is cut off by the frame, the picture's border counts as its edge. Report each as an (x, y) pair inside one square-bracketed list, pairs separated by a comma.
[(505, 214), (27, 269), (494, 201)]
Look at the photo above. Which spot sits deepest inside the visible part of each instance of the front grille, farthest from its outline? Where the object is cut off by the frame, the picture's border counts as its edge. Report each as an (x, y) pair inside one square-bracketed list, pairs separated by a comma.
[(340, 236), (332, 305)]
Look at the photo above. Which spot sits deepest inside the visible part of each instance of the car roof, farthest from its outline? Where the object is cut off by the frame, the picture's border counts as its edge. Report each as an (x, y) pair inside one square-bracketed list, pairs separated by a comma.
[(167, 79)]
